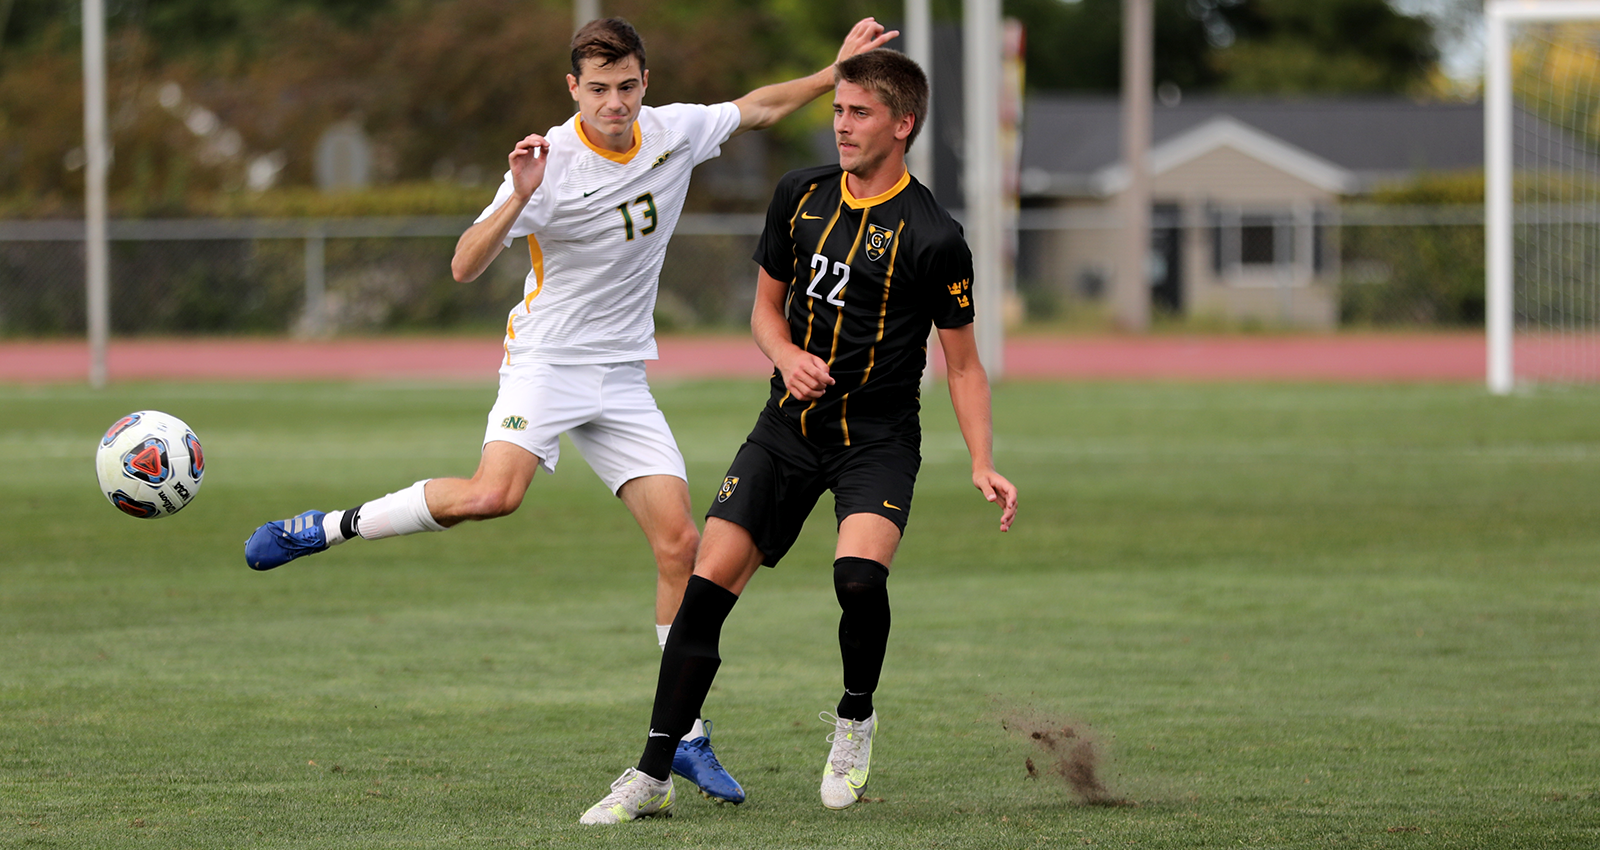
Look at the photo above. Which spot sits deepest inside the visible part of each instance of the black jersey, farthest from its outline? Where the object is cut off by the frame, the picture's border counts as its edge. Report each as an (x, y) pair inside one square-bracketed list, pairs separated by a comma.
[(867, 277)]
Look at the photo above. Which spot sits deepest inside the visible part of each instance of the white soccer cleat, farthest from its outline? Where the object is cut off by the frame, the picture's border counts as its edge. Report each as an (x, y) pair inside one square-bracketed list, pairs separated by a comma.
[(845, 774), (634, 795)]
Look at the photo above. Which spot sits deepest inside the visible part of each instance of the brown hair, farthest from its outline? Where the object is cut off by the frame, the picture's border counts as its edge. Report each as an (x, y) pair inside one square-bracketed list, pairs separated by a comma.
[(894, 79), (608, 40)]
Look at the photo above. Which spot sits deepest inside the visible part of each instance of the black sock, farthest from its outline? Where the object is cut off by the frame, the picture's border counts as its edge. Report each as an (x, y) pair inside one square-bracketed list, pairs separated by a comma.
[(861, 586), (688, 665), (347, 523)]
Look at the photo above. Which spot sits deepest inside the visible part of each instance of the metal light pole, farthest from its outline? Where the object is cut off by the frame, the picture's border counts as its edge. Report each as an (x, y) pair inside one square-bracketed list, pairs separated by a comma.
[(1131, 288), (981, 32), (919, 46), (96, 151), (1500, 318), (584, 11)]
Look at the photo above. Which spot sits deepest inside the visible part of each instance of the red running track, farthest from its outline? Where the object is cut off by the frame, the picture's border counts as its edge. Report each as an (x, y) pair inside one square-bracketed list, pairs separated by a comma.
[(1333, 357)]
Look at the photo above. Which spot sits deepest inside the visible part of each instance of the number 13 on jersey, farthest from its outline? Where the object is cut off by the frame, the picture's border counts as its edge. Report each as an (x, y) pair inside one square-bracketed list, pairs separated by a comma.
[(649, 203)]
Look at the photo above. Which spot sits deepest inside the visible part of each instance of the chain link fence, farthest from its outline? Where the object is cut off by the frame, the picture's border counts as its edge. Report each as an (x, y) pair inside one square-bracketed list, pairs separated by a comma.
[(1417, 267), (1411, 266), (1214, 267)]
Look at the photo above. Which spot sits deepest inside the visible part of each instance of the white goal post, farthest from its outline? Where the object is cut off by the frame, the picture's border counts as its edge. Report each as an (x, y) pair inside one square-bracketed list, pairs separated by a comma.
[(1541, 253)]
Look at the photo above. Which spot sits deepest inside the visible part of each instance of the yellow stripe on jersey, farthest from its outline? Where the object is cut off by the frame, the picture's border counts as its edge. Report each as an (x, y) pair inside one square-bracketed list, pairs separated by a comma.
[(620, 158), (850, 258), (536, 257), (883, 313), (838, 321), (811, 313), (799, 209), (883, 306)]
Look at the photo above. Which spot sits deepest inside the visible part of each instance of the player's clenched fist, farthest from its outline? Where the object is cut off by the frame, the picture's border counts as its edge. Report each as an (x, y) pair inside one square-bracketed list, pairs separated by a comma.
[(805, 375)]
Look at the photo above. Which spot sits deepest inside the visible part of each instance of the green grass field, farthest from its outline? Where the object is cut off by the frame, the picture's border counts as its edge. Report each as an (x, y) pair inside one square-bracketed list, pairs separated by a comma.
[(1288, 616)]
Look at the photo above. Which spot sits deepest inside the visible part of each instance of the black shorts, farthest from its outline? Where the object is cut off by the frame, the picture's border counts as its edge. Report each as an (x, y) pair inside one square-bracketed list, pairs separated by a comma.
[(778, 475)]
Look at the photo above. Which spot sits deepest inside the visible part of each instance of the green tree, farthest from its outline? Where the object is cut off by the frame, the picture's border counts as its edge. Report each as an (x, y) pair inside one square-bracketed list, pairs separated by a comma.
[(1326, 47), (1077, 46), (1244, 46)]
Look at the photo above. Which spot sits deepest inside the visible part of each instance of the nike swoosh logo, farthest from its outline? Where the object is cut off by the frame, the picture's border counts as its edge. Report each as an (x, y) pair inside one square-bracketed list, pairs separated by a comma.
[(591, 192), (655, 734), (810, 217), (892, 507)]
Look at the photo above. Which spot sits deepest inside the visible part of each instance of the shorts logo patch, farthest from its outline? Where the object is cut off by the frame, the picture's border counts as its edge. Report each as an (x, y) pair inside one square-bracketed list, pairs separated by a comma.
[(878, 239), (729, 484), (514, 423)]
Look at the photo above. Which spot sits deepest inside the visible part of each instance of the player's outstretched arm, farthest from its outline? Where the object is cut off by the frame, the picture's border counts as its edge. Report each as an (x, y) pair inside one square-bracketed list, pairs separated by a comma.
[(482, 242), (805, 375), (969, 395), (768, 105)]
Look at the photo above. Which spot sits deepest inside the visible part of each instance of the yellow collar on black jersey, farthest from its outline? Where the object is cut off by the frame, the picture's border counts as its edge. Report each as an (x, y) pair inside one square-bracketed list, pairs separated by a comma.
[(862, 203), (620, 158)]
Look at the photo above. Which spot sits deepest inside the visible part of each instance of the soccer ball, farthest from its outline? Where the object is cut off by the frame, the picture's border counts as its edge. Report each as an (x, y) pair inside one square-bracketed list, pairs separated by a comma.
[(150, 464)]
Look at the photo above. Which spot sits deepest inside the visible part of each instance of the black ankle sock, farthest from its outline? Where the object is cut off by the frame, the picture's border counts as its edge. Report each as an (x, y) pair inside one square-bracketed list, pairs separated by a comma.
[(854, 706), (347, 523), (861, 586), (688, 665)]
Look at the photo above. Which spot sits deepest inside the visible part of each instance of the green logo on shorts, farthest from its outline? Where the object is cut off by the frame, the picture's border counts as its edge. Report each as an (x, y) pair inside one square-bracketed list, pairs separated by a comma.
[(514, 423)]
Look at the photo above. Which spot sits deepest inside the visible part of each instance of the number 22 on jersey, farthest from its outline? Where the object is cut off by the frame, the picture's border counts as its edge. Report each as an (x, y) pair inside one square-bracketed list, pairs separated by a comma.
[(819, 271)]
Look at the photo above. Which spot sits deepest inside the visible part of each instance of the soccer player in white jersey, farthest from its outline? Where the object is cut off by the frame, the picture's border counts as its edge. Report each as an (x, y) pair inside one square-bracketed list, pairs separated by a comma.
[(597, 199)]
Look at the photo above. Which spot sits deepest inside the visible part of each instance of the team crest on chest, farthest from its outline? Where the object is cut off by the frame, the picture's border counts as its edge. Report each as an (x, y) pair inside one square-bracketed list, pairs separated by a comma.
[(728, 486), (878, 239)]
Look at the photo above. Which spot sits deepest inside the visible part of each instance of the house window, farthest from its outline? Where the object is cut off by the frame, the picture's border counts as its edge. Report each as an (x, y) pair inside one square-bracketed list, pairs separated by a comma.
[(1258, 241), (1250, 245)]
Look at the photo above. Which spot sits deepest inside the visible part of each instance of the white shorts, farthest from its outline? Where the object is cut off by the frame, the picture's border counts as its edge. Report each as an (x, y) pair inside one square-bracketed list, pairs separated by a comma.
[(607, 410)]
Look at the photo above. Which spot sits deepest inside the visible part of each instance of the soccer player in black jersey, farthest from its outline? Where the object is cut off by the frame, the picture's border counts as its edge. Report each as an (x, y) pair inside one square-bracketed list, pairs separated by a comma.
[(856, 262)]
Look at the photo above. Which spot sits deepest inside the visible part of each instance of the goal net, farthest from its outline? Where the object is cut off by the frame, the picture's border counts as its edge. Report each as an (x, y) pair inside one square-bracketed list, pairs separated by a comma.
[(1542, 169)]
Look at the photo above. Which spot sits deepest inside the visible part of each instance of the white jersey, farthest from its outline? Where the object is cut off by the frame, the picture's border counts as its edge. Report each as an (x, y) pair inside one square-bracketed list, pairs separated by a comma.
[(597, 230)]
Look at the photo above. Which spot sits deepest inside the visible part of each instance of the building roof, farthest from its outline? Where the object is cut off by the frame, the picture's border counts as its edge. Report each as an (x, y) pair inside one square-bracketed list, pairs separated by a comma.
[(1072, 145)]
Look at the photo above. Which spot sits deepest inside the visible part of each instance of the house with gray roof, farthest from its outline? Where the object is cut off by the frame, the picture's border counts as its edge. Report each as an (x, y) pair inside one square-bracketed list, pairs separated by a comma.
[(1245, 193)]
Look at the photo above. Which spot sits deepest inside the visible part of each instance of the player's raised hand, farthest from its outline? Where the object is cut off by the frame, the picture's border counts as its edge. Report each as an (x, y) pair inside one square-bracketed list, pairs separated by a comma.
[(805, 375), (528, 162), (997, 489), (866, 35)]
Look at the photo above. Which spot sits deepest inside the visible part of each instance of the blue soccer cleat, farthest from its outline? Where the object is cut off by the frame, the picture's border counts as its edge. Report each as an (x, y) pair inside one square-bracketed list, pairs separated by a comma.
[(697, 763), (278, 543)]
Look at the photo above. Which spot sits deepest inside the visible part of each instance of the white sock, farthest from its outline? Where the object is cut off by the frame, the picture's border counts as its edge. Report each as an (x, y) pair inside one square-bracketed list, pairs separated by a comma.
[(402, 512), (661, 634), (330, 527)]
